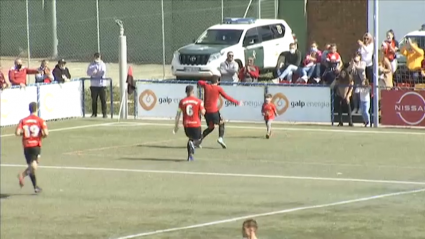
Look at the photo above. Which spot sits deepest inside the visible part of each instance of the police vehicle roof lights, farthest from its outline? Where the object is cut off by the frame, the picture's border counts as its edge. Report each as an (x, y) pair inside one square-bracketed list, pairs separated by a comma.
[(229, 20)]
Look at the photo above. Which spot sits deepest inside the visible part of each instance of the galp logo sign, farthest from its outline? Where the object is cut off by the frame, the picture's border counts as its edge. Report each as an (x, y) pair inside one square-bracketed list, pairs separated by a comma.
[(410, 108), (147, 100), (403, 108), (281, 102)]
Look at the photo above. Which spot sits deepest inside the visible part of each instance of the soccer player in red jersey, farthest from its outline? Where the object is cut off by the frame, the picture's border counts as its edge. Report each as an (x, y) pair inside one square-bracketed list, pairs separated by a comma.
[(32, 129), (191, 107), (212, 93), (269, 112)]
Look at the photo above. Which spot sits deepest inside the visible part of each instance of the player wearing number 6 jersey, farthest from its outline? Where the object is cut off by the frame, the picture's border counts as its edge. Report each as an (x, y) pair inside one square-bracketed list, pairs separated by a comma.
[(191, 107), (32, 129)]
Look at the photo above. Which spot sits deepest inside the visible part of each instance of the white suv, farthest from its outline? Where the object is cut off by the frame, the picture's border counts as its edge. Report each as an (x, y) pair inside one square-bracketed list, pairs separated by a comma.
[(264, 39)]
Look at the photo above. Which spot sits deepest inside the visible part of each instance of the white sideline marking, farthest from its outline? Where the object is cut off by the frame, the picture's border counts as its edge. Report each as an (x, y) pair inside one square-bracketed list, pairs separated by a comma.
[(308, 129), (66, 128), (222, 174), (273, 213)]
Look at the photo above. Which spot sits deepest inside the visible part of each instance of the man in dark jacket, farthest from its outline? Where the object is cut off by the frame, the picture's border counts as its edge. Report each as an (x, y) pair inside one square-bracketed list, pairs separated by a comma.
[(61, 72), (291, 64)]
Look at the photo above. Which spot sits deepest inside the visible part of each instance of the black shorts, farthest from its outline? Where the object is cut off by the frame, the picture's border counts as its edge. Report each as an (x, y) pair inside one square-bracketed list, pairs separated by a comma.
[(32, 154), (213, 118), (194, 133)]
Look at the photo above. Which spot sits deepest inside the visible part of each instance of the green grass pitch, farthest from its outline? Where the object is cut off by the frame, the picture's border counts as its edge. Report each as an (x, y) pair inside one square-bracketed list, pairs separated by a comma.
[(104, 179)]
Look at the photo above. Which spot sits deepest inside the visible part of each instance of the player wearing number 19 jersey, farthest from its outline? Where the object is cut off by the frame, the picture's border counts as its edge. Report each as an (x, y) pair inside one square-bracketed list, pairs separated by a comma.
[(32, 129), (192, 108)]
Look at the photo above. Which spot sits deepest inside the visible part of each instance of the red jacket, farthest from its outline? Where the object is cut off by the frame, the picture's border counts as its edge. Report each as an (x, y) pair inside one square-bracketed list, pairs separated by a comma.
[(254, 74), (17, 77)]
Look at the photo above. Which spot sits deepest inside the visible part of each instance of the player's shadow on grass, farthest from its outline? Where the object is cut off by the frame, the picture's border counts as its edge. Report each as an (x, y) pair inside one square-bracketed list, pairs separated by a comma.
[(155, 159), (168, 146), (6, 195)]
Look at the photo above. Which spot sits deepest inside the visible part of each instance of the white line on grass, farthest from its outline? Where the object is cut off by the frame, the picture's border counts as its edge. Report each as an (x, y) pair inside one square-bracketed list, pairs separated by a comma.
[(222, 174), (308, 129), (272, 213), (67, 128)]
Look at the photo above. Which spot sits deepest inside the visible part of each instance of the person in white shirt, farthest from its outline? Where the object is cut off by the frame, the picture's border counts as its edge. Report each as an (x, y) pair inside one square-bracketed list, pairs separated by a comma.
[(364, 93), (366, 51), (229, 69), (249, 229)]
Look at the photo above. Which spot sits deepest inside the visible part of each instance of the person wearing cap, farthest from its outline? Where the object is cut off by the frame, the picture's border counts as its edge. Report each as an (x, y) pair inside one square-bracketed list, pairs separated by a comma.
[(61, 72)]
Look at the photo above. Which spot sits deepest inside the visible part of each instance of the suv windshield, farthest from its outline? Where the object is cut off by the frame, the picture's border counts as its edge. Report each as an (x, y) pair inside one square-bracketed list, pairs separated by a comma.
[(419, 39), (220, 37)]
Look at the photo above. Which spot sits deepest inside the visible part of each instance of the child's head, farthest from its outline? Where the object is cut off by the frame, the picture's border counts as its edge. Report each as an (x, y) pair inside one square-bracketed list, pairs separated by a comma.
[(357, 57), (366, 82), (269, 98), (333, 48)]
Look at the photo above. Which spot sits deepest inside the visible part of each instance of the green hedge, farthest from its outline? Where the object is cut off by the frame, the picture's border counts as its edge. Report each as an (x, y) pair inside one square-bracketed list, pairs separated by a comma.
[(116, 94)]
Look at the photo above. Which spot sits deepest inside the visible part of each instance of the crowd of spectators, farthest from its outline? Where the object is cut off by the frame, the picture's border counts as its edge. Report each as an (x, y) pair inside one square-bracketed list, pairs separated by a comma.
[(324, 66), (17, 74)]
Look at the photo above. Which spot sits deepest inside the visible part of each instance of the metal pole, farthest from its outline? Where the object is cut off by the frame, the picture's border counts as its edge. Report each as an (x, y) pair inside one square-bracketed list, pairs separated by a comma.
[(259, 8), (28, 37), (222, 10), (375, 64), (247, 8), (98, 25), (163, 38), (276, 8), (54, 31), (123, 69)]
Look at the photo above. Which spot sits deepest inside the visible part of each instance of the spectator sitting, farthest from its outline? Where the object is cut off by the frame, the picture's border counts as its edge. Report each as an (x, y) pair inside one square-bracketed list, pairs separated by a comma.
[(229, 69), (357, 69), (390, 47), (292, 61), (311, 65), (44, 73), (333, 65), (385, 72), (323, 62), (344, 88), (249, 229), (250, 72), (366, 51), (18, 73), (61, 72), (3, 82), (414, 56)]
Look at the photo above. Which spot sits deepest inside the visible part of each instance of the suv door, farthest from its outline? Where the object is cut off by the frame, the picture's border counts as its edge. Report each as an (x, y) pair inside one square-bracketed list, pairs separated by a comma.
[(270, 45), (281, 39), (253, 47)]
